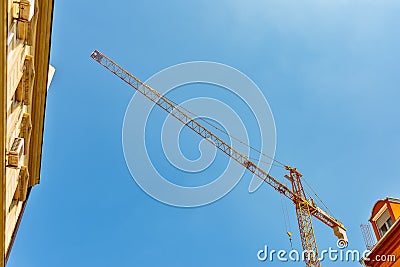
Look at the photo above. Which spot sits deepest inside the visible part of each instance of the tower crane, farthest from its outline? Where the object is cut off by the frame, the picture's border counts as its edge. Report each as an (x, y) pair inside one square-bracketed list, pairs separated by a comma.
[(306, 207)]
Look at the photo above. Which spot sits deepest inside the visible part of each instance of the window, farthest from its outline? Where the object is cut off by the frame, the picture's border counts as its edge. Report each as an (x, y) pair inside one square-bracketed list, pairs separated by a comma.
[(12, 38), (16, 100), (383, 223), (389, 222), (11, 41)]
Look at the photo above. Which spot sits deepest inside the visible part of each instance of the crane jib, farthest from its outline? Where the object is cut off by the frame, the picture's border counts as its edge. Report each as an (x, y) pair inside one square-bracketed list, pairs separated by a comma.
[(305, 207)]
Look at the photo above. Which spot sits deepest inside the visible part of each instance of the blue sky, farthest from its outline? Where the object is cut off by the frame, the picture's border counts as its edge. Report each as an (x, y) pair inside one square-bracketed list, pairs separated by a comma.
[(329, 71)]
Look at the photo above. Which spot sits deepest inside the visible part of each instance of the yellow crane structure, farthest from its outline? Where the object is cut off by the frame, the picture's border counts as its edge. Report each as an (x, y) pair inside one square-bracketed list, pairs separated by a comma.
[(306, 207)]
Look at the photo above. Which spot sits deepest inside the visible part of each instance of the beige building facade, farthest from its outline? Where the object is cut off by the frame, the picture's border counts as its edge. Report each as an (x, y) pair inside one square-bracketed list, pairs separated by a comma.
[(25, 74)]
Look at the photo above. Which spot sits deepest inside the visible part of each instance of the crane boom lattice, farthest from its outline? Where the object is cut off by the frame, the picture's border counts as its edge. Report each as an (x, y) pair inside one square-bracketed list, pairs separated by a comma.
[(305, 207)]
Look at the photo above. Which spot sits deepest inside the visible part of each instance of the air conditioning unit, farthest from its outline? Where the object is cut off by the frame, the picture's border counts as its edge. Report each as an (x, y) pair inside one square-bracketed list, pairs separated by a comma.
[(16, 152), (22, 186)]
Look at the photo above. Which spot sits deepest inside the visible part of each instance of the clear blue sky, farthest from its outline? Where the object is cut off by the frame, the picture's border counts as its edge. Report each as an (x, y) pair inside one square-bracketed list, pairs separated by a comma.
[(329, 69)]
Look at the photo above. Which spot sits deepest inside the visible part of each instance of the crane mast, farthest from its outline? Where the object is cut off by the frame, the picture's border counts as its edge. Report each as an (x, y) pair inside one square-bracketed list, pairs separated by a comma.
[(305, 206)]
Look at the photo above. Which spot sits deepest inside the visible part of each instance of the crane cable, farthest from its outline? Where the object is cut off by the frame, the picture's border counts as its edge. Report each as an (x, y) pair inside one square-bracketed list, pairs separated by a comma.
[(286, 219), (266, 162), (279, 164), (316, 195), (221, 130)]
